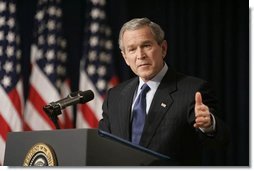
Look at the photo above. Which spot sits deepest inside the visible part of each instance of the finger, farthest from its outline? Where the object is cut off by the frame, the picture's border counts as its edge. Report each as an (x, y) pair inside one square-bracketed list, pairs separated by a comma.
[(202, 114), (201, 125), (202, 122), (202, 119), (202, 107), (198, 98), (201, 111), (195, 125)]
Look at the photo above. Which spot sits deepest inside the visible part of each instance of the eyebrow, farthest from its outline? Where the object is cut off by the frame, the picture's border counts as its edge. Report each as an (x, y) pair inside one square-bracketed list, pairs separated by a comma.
[(144, 42)]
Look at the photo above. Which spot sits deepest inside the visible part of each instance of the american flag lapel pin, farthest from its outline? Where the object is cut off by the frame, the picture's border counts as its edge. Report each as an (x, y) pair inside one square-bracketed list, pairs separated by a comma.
[(163, 105)]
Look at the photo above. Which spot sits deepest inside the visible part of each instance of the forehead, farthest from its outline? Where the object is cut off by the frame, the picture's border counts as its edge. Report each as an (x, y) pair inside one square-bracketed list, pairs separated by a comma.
[(140, 34)]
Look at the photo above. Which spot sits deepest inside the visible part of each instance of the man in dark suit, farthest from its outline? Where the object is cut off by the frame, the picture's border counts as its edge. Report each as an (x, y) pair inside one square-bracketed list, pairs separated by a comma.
[(180, 110)]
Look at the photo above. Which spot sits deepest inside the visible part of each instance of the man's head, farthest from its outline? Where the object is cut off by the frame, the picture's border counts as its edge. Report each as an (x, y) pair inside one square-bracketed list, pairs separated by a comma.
[(137, 23), (143, 47)]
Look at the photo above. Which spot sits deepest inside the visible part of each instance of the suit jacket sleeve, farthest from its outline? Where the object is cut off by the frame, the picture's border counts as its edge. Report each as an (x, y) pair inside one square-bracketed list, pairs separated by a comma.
[(104, 122), (221, 135)]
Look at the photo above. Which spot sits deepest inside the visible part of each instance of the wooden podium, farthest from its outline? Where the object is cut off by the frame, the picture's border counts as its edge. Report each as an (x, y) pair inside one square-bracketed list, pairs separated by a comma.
[(76, 147)]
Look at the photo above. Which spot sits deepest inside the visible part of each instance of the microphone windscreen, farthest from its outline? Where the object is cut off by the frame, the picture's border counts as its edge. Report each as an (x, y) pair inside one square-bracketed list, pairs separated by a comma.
[(86, 96)]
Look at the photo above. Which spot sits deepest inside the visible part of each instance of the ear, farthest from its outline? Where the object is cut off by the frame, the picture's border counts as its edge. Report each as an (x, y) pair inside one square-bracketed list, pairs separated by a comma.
[(125, 58), (164, 46)]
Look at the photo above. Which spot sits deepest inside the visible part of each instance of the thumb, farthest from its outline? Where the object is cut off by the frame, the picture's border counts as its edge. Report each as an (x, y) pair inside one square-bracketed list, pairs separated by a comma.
[(198, 98)]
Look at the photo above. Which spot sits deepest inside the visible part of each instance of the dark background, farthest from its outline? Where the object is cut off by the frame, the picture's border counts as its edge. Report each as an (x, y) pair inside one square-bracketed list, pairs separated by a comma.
[(206, 38)]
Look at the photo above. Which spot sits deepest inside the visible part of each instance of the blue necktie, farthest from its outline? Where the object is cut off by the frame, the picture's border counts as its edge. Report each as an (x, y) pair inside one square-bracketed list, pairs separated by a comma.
[(139, 114)]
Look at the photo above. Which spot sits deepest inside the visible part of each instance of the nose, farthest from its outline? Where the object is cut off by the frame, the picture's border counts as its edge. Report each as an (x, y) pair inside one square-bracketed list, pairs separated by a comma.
[(140, 53)]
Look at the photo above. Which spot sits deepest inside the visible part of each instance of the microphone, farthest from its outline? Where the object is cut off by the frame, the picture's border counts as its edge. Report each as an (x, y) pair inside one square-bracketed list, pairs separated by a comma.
[(73, 98), (53, 109)]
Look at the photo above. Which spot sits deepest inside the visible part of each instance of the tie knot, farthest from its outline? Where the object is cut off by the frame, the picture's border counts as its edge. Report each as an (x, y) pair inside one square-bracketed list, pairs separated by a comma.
[(145, 88)]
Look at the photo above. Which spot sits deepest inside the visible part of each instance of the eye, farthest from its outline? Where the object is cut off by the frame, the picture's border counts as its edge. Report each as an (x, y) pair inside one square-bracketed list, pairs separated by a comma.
[(131, 50), (147, 45)]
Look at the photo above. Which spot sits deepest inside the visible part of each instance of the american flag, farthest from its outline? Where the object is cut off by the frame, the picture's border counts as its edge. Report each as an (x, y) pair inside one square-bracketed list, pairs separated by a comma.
[(97, 65), (48, 80), (11, 86)]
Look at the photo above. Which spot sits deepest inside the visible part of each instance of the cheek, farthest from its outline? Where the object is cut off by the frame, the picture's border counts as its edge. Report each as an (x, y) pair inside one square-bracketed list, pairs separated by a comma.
[(132, 64), (130, 61), (126, 59)]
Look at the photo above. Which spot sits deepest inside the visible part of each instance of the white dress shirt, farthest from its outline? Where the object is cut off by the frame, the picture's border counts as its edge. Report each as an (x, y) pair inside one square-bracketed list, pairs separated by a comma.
[(153, 84)]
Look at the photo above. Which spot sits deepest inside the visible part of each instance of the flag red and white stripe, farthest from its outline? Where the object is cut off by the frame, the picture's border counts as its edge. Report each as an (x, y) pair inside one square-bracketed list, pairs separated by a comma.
[(11, 86), (48, 80), (97, 66)]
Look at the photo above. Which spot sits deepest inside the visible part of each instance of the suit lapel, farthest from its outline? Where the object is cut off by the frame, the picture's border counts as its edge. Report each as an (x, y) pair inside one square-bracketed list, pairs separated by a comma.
[(162, 101), (125, 107)]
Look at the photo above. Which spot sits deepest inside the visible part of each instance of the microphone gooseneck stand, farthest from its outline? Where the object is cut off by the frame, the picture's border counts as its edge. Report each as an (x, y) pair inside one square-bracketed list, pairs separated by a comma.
[(53, 110)]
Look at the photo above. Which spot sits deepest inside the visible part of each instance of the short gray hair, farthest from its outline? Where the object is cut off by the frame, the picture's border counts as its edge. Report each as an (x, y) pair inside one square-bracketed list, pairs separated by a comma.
[(137, 23)]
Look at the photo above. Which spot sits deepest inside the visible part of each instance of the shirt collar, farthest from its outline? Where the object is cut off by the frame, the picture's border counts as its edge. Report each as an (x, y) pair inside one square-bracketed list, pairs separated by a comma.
[(155, 81)]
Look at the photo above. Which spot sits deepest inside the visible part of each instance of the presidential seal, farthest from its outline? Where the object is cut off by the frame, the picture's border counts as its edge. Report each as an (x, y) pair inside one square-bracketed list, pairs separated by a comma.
[(40, 155)]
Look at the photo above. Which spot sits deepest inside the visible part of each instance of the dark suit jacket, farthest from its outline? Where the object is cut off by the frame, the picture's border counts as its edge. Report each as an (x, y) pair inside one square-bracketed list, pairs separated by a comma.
[(168, 129)]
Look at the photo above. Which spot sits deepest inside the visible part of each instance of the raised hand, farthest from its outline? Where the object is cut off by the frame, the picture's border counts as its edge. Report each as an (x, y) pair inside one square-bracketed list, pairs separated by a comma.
[(202, 114)]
